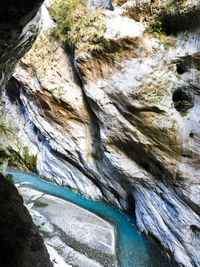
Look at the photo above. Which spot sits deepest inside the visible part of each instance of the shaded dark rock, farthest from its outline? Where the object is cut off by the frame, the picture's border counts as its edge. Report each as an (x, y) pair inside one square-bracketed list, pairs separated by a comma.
[(21, 243), (18, 30)]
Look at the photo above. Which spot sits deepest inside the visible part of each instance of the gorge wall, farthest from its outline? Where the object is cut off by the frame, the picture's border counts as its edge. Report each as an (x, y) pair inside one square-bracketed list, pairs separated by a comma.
[(21, 243), (118, 122), (19, 25)]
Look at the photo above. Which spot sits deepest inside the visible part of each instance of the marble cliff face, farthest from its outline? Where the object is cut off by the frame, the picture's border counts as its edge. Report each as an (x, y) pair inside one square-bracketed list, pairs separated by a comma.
[(21, 243), (121, 126)]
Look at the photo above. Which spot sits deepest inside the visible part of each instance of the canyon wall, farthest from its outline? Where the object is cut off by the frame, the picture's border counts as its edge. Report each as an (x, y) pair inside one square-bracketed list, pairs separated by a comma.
[(21, 243), (120, 124)]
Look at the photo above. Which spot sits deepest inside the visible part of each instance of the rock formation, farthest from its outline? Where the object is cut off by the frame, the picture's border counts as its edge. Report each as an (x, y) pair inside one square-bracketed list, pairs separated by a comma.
[(19, 23), (121, 124), (21, 243)]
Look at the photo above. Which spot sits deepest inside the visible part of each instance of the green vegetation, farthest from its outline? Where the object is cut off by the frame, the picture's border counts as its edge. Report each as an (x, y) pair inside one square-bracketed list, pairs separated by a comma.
[(15, 155), (182, 101), (157, 30), (170, 2), (171, 16), (168, 42), (153, 89), (182, 106), (83, 30), (3, 154), (3, 128), (155, 26), (43, 58), (21, 158), (30, 161), (78, 26), (9, 177)]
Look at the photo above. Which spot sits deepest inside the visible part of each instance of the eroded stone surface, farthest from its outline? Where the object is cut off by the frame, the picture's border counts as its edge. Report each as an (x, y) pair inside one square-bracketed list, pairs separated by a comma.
[(61, 222), (80, 224)]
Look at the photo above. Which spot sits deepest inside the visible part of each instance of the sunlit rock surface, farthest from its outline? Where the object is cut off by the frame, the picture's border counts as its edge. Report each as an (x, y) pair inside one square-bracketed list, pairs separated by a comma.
[(122, 131)]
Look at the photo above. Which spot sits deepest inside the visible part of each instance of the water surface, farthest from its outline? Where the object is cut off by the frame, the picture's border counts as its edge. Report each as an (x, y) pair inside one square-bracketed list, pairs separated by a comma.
[(135, 249)]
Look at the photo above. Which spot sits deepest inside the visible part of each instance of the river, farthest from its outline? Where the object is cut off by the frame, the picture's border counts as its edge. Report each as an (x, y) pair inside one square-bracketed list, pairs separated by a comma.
[(135, 250)]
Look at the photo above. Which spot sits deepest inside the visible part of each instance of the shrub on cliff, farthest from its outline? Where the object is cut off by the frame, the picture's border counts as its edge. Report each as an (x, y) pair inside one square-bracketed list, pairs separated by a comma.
[(172, 16), (76, 25)]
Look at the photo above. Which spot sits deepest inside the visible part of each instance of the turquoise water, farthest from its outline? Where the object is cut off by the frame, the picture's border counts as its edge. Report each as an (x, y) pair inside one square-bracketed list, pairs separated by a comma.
[(135, 249)]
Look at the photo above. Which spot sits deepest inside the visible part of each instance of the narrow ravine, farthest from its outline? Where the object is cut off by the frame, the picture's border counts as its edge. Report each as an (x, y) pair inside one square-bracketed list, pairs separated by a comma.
[(135, 249)]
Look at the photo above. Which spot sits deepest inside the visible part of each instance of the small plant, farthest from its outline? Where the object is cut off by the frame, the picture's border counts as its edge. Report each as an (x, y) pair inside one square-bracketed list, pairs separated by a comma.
[(3, 156), (169, 2), (155, 26)]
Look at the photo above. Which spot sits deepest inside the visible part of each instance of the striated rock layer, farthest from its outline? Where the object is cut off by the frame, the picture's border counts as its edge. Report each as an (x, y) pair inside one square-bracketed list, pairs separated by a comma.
[(124, 127)]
